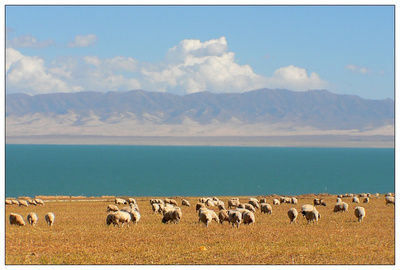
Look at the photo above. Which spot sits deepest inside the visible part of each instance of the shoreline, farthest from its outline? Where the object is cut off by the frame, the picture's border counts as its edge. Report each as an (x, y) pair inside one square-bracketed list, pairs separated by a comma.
[(345, 141)]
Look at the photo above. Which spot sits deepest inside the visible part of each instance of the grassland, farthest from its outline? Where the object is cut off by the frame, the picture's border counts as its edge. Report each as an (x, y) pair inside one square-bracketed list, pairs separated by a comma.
[(80, 236)]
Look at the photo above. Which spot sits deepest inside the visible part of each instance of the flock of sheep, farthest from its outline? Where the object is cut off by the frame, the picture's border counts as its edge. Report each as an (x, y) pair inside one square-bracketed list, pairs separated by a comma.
[(237, 212), (32, 218)]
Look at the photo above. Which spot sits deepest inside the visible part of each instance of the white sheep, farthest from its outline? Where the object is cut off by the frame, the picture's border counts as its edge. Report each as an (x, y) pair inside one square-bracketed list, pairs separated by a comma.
[(8, 202), (205, 216), (156, 208), (131, 200), (292, 214), (276, 202), (200, 205), (185, 202), (23, 203), (32, 218), (247, 206), (248, 217), (39, 201), (266, 208), (312, 216), (263, 200), (221, 205), (16, 219), (30, 201), (235, 217), (233, 203), (223, 216), (120, 201), (135, 216), (172, 215), (341, 206), (359, 212), (50, 217), (112, 208), (338, 199), (355, 199), (254, 204), (306, 208), (366, 200), (389, 199), (294, 200), (15, 202)]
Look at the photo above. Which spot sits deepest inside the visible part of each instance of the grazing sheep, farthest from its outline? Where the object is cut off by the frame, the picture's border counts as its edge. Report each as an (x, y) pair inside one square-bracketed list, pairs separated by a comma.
[(172, 215), (266, 208), (131, 207), (131, 200), (306, 208), (205, 217), (341, 206), (120, 201), (159, 201), (248, 217), (170, 201), (23, 203), (16, 219), (276, 202), (118, 217), (235, 217), (185, 202), (39, 201), (221, 205), (15, 202), (355, 200), (359, 212), (223, 216), (254, 204), (49, 217), (366, 200), (233, 203), (338, 199), (200, 205), (292, 214), (135, 216), (202, 200), (294, 200), (32, 202), (32, 218), (8, 202), (156, 208), (263, 200), (312, 216), (210, 202), (112, 208), (319, 202), (247, 206), (389, 199)]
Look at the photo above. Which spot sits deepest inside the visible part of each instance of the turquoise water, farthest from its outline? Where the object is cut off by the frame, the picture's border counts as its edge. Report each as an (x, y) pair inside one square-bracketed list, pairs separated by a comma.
[(93, 170)]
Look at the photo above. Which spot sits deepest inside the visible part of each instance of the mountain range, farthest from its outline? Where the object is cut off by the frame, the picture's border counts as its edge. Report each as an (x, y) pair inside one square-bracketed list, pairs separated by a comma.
[(143, 113)]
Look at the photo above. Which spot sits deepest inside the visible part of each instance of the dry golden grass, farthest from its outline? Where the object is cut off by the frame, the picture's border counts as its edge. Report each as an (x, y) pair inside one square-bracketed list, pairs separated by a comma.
[(80, 236)]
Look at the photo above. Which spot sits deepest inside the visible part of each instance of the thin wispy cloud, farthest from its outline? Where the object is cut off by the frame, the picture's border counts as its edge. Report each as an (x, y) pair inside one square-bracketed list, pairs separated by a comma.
[(29, 41), (357, 69), (83, 41)]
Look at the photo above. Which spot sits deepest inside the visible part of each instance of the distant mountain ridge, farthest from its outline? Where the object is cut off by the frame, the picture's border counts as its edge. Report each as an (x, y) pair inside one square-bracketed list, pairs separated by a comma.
[(319, 109)]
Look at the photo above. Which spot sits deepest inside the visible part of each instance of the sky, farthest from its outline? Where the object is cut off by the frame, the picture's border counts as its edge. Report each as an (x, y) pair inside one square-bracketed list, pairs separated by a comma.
[(186, 49)]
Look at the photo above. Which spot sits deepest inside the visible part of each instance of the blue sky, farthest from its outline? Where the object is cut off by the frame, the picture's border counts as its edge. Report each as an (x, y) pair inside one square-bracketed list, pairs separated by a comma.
[(185, 49)]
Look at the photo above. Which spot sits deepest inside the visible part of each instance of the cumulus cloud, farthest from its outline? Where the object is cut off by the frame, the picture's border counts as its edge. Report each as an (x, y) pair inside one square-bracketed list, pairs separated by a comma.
[(83, 41), (190, 66), (357, 69), (28, 41)]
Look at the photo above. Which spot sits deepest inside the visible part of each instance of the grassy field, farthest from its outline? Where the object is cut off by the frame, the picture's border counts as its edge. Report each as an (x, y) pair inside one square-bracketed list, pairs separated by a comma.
[(80, 236)]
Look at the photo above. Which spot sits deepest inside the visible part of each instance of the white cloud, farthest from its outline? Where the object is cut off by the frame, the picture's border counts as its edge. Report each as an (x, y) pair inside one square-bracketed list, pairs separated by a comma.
[(191, 66), (83, 41), (357, 69), (28, 41)]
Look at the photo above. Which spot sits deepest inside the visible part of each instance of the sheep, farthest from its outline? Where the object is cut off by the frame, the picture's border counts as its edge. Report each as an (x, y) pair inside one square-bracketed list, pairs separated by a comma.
[(248, 217), (120, 201), (247, 206), (266, 208), (355, 200), (306, 208), (205, 217), (254, 200), (8, 202), (276, 202), (221, 205), (233, 203), (319, 202), (23, 203), (156, 208), (359, 212), (199, 205), (366, 200), (338, 199), (15, 202), (112, 208), (185, 202), (202, 200), (172, 215), (254, 204), (235, 217), (210, 202), (118, 217), (130, 207), (263, 200), (30, 201), (16, 219), (223, 216), (39, 201), (294, 200), (341, 206), (170, 201), (50, 217), (32, 218), (389, 199), (159, 201), (131, 200), (135, 216), (312, 216), (292, 214)]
